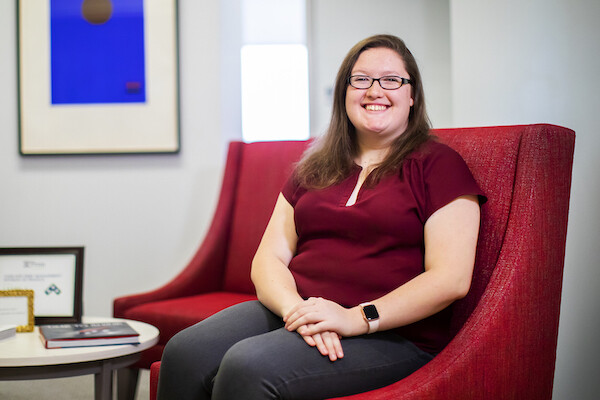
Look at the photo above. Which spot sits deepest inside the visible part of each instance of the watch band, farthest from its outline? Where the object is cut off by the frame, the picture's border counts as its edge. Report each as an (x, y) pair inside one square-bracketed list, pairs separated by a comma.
[(370, 314)]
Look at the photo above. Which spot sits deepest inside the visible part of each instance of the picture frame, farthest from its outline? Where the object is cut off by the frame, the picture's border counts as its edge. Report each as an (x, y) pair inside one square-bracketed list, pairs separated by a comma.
[(98, 80), (16, 308), (54, 274)]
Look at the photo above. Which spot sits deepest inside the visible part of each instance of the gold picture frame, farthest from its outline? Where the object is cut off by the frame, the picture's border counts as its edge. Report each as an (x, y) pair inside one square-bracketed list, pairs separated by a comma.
[(16, 308)]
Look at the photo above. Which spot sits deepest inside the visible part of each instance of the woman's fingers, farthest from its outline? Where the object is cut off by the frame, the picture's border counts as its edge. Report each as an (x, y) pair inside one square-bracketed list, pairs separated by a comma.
[(309, 340), (328, 343), (300, 309), (315, 310), (320, 344), (337, 344), (294, 324), (317, 315), (332, 343)]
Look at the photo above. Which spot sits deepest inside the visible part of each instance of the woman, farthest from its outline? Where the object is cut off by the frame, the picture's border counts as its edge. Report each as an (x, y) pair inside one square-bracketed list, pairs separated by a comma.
[(370, 240)]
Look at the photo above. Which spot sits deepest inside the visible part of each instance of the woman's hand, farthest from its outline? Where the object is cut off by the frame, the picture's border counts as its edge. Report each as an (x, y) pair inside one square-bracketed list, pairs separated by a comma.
[(328, 343), (317, 315), (323, 321)]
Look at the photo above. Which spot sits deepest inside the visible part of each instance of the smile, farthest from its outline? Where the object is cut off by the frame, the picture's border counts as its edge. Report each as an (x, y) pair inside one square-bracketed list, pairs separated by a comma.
[(375, 107)]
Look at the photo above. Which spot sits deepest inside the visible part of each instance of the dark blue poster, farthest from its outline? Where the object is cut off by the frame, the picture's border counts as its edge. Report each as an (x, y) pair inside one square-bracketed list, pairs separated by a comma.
[(97, 51)]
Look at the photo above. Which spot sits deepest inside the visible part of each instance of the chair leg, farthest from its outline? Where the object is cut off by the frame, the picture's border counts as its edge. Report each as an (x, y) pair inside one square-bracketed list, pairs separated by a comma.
[(127, 380)]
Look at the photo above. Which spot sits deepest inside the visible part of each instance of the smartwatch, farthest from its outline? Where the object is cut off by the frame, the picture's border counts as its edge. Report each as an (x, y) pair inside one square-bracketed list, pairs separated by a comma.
[(370, 314)]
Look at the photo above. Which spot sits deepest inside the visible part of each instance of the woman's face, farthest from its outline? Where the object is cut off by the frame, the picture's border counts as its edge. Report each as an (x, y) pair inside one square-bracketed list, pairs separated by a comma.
[(376, 113)]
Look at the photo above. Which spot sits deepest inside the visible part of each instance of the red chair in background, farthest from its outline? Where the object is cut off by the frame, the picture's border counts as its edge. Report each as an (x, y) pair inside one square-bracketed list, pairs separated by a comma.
[(505, 329)]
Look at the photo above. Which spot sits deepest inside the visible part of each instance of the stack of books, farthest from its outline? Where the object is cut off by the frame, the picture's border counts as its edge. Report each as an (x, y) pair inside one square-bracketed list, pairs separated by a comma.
[(90, 334)]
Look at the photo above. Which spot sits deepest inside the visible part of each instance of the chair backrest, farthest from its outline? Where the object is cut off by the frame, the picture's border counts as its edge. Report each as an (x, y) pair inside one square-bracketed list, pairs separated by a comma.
[(495, 155), (514, 165), (262, 170)]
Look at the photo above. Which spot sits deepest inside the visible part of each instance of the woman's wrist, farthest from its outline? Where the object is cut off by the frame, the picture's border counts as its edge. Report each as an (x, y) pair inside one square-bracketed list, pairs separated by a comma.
[(287, 306), (361, 326)]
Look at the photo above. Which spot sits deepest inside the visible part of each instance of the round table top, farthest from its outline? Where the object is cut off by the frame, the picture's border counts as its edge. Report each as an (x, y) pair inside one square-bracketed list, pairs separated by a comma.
[(26, 349)]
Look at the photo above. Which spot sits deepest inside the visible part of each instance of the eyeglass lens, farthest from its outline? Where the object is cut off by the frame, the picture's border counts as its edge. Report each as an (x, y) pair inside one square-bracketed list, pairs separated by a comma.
[(386, 82)]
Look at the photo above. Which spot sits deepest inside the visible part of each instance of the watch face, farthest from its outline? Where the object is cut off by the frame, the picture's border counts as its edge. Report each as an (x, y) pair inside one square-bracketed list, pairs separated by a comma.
[(370, 312)]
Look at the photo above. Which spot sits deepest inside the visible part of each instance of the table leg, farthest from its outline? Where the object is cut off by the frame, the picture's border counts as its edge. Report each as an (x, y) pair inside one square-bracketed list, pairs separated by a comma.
[(127, 381), (103, 382)]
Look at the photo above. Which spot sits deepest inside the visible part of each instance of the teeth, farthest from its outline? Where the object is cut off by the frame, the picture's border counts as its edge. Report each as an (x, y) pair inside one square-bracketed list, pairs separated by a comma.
[(374, 107)]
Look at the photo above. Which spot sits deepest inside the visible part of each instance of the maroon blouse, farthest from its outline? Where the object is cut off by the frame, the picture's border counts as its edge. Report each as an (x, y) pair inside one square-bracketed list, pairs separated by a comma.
[(353, 254)]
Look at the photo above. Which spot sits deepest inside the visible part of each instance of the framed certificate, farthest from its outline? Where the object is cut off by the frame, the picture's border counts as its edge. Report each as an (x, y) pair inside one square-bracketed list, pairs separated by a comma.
[(54, 274), (98, 77), (16, 308)]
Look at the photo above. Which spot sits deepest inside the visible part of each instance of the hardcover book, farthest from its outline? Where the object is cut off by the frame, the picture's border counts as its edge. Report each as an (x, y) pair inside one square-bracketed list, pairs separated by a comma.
[(90, 334)]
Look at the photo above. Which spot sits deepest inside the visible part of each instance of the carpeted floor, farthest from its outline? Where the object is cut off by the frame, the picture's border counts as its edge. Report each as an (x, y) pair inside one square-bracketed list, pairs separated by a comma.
[(75, 388)]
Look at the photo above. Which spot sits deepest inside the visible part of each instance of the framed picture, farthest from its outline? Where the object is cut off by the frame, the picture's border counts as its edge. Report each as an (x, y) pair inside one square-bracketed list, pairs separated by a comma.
[(16, 308), (98, 77), (54, 274)]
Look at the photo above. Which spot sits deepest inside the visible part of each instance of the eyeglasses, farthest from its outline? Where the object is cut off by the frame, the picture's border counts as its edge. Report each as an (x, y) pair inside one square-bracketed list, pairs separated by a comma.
[(390, 82)]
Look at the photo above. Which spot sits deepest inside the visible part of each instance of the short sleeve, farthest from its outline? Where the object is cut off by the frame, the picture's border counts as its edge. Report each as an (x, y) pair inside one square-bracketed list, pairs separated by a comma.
[(441, 175), (292, 190)]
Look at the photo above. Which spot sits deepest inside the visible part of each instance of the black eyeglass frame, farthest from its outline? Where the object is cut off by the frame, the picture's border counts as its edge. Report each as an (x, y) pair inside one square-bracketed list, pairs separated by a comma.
[(403, 81)]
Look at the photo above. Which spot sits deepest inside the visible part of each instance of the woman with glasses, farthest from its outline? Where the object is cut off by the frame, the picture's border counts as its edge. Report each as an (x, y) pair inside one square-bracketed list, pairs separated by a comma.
[(370, 241)]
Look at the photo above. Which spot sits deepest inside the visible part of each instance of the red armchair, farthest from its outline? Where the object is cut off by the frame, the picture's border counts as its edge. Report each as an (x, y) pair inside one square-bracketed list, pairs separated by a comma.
[(505, 329)]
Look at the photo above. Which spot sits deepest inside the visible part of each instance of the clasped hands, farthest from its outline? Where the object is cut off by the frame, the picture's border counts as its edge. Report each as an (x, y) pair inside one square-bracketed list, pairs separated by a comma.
[(322, 323)]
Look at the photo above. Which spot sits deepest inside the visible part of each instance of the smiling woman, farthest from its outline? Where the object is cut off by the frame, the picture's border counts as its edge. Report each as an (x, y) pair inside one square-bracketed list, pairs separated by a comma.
[(345, 270), (335, 155), (379, 112)]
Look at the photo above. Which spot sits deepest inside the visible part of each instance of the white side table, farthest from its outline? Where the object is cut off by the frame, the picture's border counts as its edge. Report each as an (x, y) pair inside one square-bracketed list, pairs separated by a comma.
[(25, 357)]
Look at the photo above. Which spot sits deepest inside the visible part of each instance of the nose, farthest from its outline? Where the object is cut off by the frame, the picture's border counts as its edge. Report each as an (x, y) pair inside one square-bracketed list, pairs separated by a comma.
[(375, 90)]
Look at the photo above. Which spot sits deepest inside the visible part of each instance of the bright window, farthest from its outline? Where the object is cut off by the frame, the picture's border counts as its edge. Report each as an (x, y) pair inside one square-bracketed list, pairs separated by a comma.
[(275, 92), (274, 70)]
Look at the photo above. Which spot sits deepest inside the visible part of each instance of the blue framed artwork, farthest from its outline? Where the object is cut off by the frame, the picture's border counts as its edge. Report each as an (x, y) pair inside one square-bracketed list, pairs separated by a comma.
[(105, 42), (98, 76)]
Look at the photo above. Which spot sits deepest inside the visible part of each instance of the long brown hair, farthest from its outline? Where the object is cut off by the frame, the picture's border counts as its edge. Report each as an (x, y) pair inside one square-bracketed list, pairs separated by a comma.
[(331, 158)]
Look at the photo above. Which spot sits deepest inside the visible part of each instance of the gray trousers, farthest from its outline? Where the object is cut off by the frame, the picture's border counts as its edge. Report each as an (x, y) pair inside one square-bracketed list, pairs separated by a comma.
[(244, 352)]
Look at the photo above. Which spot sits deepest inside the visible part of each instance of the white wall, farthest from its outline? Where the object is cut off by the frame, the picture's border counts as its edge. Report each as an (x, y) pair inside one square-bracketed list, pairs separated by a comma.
[(140, 217), (229, 37), (515, 62)]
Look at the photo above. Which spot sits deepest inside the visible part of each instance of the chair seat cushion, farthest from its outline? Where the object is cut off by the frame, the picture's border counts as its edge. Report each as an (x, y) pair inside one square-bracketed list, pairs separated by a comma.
[(173, 315)]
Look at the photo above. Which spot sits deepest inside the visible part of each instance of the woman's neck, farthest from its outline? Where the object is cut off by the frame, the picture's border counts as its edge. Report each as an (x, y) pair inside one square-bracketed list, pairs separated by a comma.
[(369, 158), (372, 150)]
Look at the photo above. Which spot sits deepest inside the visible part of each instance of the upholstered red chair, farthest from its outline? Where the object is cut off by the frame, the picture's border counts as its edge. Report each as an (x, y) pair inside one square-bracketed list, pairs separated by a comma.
[(505, 329)]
